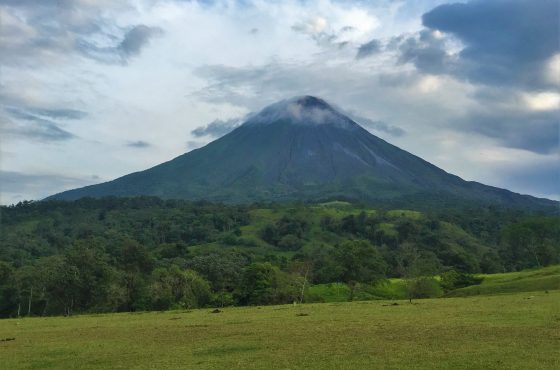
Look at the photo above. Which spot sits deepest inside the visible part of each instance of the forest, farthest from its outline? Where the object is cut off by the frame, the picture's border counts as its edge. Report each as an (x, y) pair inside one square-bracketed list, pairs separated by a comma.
[(144, 253)]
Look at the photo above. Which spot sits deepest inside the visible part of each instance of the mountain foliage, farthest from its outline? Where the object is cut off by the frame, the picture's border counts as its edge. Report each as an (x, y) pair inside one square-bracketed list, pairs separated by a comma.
[(145, 253)]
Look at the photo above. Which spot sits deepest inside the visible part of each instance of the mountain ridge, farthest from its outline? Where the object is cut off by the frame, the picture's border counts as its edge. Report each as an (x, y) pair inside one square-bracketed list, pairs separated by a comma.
[(301, 149)]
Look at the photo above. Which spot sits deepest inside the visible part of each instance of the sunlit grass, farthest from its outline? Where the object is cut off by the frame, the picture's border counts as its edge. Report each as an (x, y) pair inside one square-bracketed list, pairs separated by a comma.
[(516, 331)]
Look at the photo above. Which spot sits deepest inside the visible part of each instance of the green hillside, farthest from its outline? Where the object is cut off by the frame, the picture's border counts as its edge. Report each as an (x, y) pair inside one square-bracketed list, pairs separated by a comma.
[(134, 254), (544, 279), (532, 280)]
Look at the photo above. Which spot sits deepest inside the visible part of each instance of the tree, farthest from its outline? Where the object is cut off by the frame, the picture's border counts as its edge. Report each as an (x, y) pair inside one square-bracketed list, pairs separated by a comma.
[(424, 287), (532, 242), (94, 276), (8, 292), (26, 280), (408, 266), (136, 263), (263, 283), (257, 285), (303, 270), (174, 287), (222, 270), (360, 262), (60, 284)]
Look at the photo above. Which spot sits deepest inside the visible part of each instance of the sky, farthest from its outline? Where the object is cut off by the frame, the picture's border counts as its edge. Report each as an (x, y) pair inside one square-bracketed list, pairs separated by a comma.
[(91, 90)]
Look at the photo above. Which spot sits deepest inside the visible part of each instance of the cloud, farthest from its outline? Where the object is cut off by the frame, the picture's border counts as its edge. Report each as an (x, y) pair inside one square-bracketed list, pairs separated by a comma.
[(131, 45), (217, 128), (540, 178), (533, 131), (140, 144), (33, 126), (506, 49), (426, 51), (17, 186), (135, 38), (313, 26), (506, 42), (543, 101), (339, 27), (35, 32), (377, 125), (195, 144), (44, 131), (67, 114), (368, 49)]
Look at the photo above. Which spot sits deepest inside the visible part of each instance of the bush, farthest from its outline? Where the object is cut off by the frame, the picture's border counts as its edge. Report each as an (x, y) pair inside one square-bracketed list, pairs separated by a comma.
[(425, 287), (451, 280)]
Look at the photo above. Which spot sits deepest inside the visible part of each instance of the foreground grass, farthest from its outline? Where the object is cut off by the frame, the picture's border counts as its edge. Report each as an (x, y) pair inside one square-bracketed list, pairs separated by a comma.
[(516, 331)]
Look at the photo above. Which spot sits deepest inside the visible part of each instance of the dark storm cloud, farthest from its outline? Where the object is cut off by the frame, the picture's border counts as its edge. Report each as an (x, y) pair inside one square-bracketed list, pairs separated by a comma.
[(506, 42), (533, 131), (504, 48), (140, 144), (217, 128), (368, 49), (426, 52)]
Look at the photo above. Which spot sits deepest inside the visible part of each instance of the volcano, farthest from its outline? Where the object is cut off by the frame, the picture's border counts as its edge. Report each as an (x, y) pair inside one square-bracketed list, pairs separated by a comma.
[(302, 149)]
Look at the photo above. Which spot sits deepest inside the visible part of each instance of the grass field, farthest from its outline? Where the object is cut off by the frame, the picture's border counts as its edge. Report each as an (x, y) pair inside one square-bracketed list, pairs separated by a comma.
[(547, 278), (509, 331)]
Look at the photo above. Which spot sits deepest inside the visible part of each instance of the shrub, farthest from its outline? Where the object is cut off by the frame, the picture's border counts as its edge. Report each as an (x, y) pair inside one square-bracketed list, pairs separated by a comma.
[(424, 287), (451, 280)]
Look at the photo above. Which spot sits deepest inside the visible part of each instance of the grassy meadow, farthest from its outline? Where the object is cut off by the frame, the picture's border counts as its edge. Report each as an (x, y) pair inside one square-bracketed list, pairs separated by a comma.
[(508, 331), (547, 278), (543, 279)]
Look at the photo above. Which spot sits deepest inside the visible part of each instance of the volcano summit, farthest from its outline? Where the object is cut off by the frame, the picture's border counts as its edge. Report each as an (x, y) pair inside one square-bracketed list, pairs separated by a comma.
[(303, 149)]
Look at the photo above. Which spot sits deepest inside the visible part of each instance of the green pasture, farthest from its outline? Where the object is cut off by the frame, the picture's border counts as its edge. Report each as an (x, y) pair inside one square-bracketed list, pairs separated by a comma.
[(509, 331)]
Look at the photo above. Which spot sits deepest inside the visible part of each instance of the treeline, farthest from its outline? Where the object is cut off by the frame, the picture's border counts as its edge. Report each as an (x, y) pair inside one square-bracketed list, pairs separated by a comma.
[(129, 254)]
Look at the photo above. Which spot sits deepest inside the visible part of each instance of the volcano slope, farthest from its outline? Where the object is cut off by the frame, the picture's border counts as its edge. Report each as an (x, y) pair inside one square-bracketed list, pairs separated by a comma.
[(302, 149)]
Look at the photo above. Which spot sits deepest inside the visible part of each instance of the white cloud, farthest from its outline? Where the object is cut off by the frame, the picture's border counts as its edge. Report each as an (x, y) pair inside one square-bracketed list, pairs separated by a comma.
[(428, 84), (552, 71), (311, 26), (542, 101)]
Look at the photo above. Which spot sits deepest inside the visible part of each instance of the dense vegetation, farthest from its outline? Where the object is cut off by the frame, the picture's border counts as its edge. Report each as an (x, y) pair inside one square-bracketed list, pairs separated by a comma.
[(129, 254)]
